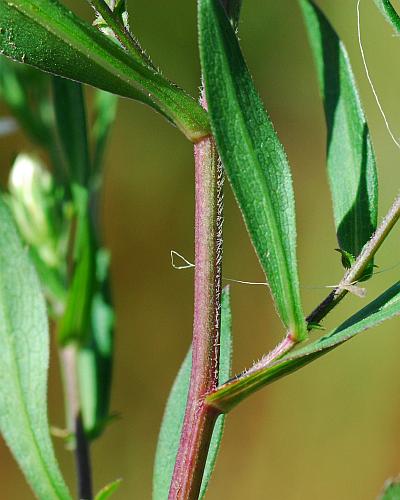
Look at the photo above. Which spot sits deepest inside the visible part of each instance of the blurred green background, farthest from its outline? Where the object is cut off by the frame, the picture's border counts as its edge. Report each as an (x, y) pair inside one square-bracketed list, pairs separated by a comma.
[(329, 431)]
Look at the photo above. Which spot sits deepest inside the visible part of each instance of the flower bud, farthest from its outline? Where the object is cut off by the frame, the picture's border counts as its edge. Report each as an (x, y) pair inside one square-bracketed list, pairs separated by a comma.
[(33, 201)]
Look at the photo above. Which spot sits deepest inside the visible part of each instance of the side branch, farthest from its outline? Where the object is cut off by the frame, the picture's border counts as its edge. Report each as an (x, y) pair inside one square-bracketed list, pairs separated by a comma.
[(355, 273), (225, 397)]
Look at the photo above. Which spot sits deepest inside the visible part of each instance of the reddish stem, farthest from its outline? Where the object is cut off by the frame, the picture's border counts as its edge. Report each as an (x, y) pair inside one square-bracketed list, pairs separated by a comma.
[(200, 418), (287, 343)]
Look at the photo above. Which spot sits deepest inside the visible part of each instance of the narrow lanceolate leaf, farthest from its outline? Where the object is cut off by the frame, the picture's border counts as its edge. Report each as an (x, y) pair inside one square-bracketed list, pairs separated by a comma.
[(67, 46), (24, 359), (70, 111), (390, 13), (386, 306), (168, 440), (74, 324), (351, 160), (391, 490), (254, 160)]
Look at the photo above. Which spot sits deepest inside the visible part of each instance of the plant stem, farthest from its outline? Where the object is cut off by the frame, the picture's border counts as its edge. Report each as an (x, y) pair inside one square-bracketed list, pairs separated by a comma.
[(280, 350), (68, 357), (359, 266), (200, 418), (124, 36), (225, 397)]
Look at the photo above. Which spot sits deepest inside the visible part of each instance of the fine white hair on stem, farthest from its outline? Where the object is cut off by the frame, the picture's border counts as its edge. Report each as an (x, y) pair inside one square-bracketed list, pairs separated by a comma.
[(370, 79)]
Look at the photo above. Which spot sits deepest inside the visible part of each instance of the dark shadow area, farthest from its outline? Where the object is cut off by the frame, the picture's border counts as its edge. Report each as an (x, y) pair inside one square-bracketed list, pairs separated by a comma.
[(331, 53)]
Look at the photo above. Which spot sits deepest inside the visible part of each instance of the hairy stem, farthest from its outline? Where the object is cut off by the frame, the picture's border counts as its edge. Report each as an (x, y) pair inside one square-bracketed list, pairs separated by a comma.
[(280, 350), (225, 397), (356, 271), (200, 418), (68, 357)]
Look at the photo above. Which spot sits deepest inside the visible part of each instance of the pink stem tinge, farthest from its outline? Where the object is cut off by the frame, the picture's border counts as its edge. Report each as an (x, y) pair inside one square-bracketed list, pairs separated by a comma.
[(199, 418)]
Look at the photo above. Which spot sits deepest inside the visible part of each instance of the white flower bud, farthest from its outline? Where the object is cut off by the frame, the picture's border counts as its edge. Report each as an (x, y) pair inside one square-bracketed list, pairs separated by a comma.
[(34, 206)]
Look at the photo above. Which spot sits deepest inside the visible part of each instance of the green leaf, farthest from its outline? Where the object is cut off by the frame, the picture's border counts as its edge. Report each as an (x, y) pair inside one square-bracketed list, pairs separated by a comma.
[(351, 160), (69, 106), (168, 440), (66, 46), (25, 91), (254, 160), (105, 105), (74, 325), (108, 490), (70, 114), (232, 9), (386, 306), (95, 357), (390, 13), (391, 490), (24, 359)]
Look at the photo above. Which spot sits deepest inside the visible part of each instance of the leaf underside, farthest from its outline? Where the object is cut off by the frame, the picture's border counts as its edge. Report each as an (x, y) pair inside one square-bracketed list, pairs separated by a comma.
[(24, 359)]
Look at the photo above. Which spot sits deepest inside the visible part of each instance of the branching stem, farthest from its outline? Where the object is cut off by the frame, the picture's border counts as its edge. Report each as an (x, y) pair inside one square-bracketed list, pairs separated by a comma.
[(225, 397), (360, 265)]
